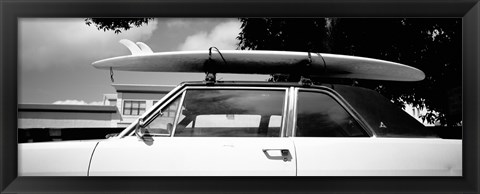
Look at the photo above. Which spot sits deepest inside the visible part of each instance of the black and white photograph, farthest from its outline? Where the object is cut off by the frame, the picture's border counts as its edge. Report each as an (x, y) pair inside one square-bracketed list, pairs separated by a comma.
[(254, 96)]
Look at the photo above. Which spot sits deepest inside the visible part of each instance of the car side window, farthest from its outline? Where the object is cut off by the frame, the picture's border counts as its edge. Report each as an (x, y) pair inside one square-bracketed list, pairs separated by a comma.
[(319, 115), (231, 113), (162, 124)]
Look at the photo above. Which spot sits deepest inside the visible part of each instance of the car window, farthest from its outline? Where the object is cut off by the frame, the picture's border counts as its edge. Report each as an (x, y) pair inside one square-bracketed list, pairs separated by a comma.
[(319, 115), (162, 124), (231, 113), (385, 118)]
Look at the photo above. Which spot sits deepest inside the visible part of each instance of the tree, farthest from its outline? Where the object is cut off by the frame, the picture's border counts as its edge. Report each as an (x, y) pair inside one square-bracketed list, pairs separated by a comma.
[(282, 34), (116, 24), (432, 45)]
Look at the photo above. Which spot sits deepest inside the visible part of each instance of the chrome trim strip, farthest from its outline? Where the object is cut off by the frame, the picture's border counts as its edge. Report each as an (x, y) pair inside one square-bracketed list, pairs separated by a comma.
[(177, 115), (128, 130), (130, 134), (291, 111), (284, 114), (343, 103), (294, 112), (234, 87)]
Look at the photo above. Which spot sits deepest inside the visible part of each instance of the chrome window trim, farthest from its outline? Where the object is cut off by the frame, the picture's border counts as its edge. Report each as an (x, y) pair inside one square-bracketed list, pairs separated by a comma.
[(341, 101), (154, 109), (285, 102), (177, 114), (128, 130), (129, 134), (285, 113), (291, 111), (235, 87)]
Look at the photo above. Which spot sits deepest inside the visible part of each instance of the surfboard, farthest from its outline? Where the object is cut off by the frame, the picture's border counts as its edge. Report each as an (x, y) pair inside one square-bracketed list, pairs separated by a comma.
[(321, 65)]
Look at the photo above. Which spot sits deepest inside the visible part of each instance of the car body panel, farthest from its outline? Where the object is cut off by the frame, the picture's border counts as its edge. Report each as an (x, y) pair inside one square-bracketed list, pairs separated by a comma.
[(68, 158), (193, 156), (378, 157)]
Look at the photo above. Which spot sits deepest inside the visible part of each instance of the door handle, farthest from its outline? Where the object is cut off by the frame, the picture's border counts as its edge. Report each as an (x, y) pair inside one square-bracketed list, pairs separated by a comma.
[(284, 154)]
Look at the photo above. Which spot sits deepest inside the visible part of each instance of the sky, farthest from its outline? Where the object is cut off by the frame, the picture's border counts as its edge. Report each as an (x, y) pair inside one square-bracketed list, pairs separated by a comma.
[(55, 55)]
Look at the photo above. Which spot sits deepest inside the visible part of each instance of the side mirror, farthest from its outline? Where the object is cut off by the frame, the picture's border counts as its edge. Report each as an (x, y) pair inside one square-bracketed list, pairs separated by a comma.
[(139, 129)]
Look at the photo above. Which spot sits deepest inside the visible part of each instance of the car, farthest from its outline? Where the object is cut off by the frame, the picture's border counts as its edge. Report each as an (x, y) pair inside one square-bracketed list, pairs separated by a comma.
[(244, 128)]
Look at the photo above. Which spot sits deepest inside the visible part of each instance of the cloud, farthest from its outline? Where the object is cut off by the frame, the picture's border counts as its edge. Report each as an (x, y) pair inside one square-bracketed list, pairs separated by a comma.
[(223, 36), (78, 102), (177, 23), (54, 42)]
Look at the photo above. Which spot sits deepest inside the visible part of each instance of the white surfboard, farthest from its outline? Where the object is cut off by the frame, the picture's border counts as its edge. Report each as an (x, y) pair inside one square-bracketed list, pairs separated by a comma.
[(265, 62)]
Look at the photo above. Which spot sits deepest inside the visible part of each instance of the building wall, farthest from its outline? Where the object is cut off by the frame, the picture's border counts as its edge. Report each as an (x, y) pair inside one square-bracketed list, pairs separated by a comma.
[(65, 119), (66, 116), (143, 96)]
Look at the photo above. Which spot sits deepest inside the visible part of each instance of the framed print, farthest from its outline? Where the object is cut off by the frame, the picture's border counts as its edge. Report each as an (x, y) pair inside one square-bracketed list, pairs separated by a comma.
[(150, 115)]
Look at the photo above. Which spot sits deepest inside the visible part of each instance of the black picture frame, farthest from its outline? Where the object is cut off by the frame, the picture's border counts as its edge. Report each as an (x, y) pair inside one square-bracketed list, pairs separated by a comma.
[(10, 11)]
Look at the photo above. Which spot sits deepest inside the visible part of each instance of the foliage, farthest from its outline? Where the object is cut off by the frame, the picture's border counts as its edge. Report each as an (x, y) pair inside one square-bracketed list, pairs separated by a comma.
[(430, 44), (282, 34), (116, 24)]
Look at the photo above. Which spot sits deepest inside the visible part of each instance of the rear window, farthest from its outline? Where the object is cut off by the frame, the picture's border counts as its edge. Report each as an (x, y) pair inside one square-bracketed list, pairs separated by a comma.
[(385, 118)]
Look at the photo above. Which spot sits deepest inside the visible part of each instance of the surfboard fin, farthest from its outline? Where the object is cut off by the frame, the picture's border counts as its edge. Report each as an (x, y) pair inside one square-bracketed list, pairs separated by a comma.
[(145, 48), (136, 49)]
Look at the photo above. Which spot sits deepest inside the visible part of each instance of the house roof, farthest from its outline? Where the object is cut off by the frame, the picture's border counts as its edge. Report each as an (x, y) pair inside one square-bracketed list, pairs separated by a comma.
[(136, 88), (66, 108)]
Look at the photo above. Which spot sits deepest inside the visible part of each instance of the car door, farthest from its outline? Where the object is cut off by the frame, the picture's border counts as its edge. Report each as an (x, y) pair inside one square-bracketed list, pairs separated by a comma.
[(217, 131), (330, 141)]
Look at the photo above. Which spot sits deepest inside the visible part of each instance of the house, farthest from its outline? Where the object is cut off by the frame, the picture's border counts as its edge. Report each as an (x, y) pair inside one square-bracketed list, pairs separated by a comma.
[(47, 122)]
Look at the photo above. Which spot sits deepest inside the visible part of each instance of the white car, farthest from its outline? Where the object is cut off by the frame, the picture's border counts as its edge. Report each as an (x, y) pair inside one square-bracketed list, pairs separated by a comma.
[(220, 128), (255, 128)]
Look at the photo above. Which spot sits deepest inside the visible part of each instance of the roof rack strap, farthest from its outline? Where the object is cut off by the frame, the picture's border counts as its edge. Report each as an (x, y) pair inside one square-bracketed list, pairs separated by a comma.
[(305, 76), (209, 68), (111, 75)]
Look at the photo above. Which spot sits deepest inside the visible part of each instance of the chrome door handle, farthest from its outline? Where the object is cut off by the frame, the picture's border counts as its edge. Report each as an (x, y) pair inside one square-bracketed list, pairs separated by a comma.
[(285, 154)]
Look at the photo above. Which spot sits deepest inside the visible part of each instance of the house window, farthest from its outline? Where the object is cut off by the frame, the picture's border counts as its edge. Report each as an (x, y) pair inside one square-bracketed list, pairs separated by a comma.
[(131, 107)]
